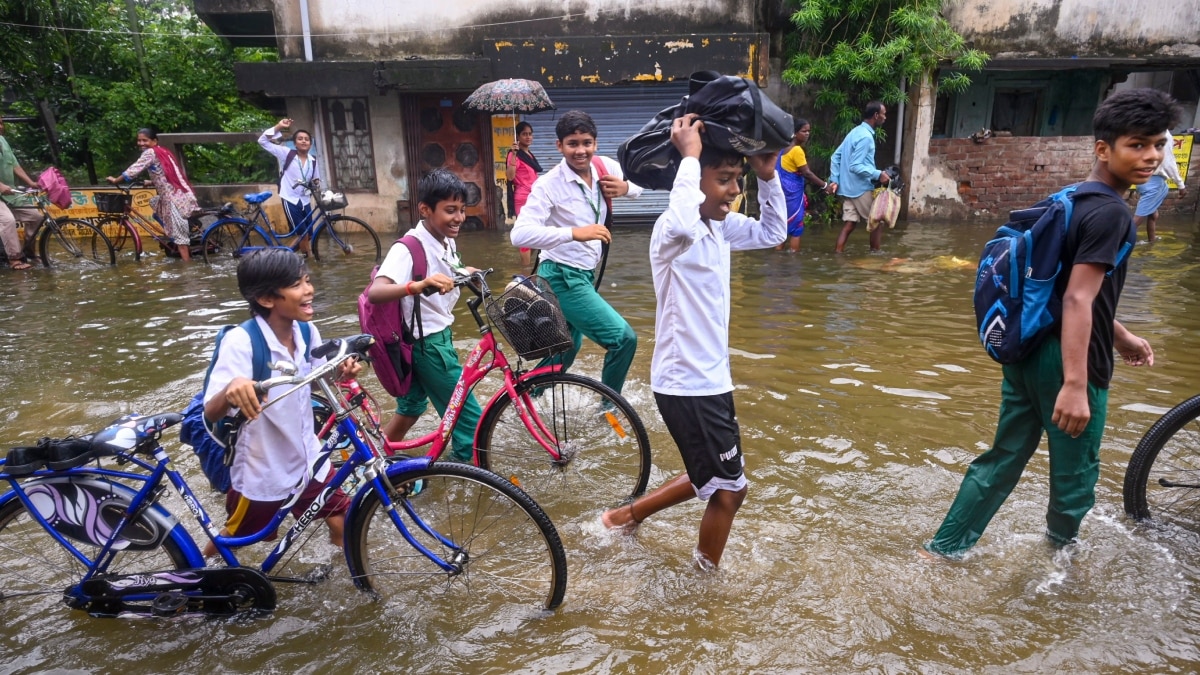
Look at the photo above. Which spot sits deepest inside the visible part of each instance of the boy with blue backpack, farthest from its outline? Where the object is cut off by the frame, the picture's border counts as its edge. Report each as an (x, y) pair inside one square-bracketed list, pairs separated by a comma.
[(1060, 387), (276, 448)]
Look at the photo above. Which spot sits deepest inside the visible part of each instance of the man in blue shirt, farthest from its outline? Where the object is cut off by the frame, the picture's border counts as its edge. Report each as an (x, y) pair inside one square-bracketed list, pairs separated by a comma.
[(851, 170)]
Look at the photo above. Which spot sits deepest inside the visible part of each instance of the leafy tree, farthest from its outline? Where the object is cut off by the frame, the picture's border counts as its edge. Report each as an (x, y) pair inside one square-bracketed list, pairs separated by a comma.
[(75, 66), (853, 51)]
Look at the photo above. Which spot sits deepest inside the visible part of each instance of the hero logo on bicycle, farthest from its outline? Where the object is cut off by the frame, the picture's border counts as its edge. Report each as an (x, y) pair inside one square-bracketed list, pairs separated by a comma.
[(452, 409)]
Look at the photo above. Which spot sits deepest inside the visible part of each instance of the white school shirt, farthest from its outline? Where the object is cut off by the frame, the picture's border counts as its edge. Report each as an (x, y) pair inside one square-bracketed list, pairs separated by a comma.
[(558, 202), (1169, 168), (689, 261), (437, 310), (275, 451), (298, 170)]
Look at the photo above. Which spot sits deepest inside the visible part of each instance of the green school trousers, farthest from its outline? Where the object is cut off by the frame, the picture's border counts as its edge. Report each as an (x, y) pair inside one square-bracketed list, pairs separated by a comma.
[(1027, 399), (587, 313), (435, 373)]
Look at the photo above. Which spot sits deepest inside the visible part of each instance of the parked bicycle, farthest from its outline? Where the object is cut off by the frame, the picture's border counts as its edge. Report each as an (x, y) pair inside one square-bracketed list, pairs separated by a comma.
[(418, 532), (573, 443), (65, 241), (124, 226), (333, 234), (1162, 481)]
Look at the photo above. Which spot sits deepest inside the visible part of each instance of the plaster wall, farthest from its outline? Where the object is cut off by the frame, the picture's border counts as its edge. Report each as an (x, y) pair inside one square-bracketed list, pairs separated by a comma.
[(1079, 27), (389, 29)]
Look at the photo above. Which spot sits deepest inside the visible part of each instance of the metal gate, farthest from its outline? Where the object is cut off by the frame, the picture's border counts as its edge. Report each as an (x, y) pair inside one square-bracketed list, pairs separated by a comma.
[(619, 112)]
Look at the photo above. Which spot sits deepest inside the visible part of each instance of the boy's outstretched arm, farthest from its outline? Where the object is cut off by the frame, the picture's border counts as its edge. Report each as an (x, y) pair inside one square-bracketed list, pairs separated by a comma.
[(1071, 409), (1134, 351)]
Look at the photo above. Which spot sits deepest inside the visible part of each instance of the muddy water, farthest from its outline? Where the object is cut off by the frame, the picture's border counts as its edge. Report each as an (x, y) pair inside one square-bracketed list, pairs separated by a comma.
[(862, 395)]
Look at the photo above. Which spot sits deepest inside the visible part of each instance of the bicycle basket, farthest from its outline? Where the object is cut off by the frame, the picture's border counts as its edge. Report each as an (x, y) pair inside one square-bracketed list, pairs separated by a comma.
[(528, 316), (332, 201), (112, 202)]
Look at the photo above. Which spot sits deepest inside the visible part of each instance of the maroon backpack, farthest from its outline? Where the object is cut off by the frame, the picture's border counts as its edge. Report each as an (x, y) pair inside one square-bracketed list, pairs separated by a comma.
[(394, 339)]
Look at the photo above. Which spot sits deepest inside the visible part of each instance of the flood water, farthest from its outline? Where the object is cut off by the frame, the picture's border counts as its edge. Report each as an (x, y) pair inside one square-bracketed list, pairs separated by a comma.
[(862, 396)]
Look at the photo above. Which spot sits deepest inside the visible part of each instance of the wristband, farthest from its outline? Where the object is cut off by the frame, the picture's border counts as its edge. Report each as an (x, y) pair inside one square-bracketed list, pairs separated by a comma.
[(408, 288)]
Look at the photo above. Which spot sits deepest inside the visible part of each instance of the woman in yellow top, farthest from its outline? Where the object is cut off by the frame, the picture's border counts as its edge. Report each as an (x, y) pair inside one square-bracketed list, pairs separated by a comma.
[(794, 175)]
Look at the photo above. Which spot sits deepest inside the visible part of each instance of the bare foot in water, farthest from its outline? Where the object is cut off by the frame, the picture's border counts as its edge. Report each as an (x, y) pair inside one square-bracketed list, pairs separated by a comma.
[(620, 519)]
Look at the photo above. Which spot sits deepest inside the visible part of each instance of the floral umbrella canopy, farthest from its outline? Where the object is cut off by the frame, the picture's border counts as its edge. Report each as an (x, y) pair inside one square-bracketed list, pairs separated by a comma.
[(509, 96)]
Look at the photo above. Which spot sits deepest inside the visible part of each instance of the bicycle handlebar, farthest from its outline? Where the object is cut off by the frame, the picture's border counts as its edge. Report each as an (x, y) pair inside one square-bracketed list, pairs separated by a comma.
[(354, 346)]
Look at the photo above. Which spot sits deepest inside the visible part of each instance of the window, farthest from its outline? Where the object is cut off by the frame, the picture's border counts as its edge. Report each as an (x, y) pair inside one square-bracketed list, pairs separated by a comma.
[(352, 157), (1017, 111)]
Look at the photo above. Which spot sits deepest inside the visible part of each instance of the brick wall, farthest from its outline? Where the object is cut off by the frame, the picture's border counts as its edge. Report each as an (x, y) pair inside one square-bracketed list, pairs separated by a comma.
[(1003, 173)]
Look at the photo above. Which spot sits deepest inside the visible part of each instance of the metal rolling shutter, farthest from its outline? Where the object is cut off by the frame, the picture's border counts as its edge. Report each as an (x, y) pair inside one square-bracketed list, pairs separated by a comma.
[(619, 112)]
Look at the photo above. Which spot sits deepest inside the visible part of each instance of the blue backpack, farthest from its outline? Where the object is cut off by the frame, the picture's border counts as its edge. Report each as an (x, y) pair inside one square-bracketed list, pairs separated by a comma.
[(1015, 302), (210, 441)]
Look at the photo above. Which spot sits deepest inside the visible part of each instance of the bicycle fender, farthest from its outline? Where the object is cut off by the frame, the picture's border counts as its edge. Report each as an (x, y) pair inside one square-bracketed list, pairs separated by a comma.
[(395, 469), (84, 507)]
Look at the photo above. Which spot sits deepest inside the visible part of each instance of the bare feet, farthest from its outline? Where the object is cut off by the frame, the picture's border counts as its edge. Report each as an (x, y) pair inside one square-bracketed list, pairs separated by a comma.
[(620, 519), (929, 556)]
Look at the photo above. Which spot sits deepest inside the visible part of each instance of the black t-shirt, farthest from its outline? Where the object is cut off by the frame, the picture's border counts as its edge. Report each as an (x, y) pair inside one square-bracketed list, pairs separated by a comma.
[(1101, 225)]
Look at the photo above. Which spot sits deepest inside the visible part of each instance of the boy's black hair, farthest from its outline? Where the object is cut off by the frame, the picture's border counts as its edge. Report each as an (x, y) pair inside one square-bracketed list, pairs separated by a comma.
[(575, 122), (297, 132), (440, 185), (264, 272), (1143, 112), (871, 109), (718, 158), (522, 126)]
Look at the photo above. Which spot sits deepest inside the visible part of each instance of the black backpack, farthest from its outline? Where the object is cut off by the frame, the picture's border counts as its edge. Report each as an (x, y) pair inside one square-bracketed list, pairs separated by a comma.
[(737, 116)]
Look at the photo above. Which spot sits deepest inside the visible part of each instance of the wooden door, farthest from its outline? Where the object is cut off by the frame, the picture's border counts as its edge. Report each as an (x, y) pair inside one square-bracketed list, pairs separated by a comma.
[(442, 134)]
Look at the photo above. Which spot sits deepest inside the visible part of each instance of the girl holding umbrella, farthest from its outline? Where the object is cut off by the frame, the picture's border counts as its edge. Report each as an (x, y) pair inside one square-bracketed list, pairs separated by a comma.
[(521, 169)]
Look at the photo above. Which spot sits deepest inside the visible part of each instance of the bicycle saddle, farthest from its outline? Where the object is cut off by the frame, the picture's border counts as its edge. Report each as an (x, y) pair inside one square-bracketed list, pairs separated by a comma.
[(257, 197)]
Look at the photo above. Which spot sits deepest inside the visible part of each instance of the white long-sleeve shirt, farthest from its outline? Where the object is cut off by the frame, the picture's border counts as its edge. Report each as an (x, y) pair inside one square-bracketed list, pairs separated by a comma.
[(302, 170), (690, 262), (559, 202)]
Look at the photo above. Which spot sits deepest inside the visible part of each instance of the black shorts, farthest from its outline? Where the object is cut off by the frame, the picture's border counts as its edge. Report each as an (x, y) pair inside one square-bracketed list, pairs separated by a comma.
[(706, 430)]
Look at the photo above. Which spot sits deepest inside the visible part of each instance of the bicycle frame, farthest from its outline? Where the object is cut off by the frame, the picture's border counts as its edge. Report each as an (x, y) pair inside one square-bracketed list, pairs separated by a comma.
[(312, 225)]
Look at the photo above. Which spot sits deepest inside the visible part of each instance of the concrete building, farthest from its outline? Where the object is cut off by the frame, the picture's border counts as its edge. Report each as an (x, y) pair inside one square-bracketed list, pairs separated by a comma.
[(381, 82), (1023, 129)]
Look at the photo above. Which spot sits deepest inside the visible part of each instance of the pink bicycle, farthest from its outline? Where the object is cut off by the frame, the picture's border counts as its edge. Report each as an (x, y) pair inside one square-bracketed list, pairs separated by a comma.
[(568, 440)]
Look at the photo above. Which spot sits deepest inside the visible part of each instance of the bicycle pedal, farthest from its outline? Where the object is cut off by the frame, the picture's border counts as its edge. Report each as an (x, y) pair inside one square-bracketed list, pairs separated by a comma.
[(168, 604)]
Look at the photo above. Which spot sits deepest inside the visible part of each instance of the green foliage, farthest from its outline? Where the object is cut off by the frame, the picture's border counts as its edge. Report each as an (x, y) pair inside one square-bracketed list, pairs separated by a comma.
[(78, 59), (848, 52)]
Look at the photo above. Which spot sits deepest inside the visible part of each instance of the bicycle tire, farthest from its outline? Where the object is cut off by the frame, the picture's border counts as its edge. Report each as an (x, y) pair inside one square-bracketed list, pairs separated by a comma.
[(72, 241), (354, 237), (1162, 481), (35, 570), (223, 239), (599, 433), (124, 237), (512, 557)]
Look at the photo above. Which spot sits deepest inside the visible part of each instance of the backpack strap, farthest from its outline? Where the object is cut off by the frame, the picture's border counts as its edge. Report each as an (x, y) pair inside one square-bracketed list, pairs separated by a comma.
[(291, 156), (1093, 187), (601, 172), (420, 269)]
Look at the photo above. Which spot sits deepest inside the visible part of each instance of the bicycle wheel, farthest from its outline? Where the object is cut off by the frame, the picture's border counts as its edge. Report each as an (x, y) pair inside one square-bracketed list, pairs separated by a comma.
[(605, 453), (35, 569), (225, 238), (1162, 481), (125, 240), (508, 553), (349, 236), (73, 242)]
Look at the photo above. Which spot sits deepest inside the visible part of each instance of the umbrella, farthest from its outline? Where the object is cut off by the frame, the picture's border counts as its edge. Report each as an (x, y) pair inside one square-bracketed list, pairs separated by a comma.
[(509, 96)]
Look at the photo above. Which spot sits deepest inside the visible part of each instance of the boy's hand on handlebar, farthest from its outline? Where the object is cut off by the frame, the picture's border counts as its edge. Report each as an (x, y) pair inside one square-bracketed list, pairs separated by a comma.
[(349, 369), (438, 281), (242, 394)]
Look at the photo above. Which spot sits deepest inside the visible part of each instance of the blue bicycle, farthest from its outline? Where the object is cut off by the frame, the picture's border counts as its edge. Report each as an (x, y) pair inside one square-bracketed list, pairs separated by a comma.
[(333, 234), (418, 532)]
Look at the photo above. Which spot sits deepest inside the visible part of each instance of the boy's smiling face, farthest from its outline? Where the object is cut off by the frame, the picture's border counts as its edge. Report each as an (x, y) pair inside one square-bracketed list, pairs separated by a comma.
[(292, 303), (578, 149), (1133, 159), (444, 219), (720, 185)]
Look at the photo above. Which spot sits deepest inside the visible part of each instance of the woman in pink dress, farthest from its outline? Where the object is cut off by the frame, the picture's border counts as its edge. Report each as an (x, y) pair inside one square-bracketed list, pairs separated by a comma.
[(175, 200), (521, 169)]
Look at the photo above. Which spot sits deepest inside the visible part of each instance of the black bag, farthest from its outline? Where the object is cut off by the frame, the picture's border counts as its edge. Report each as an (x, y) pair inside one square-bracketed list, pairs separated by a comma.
[(737, 116)]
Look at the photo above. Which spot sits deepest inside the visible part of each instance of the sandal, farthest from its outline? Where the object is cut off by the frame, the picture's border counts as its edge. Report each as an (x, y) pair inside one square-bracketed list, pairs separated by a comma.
[(20, 265)]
